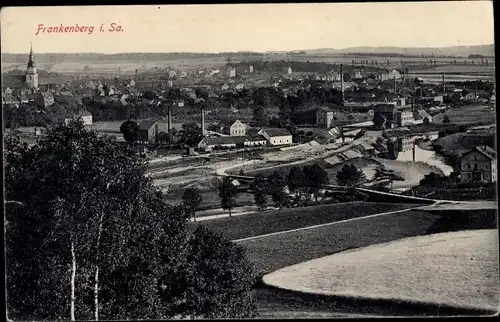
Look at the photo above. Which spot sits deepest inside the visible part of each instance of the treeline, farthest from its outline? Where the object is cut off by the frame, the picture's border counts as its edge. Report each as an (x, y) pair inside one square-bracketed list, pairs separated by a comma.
[(297, 66), (89, 237)]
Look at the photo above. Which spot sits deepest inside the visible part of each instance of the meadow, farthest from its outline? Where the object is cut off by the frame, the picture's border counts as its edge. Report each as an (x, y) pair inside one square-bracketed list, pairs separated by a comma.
[(261, 223)]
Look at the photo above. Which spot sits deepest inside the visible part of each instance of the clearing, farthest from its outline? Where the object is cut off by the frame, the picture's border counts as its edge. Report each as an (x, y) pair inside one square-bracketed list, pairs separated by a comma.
[(459, 269)]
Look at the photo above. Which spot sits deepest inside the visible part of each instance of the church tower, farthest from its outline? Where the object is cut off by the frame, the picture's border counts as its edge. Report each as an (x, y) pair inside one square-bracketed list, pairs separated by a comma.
[(31, 73)]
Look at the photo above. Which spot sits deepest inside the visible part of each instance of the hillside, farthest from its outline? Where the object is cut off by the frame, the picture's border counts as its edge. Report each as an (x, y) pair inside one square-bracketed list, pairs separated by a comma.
[(464, 51), (487, 50)]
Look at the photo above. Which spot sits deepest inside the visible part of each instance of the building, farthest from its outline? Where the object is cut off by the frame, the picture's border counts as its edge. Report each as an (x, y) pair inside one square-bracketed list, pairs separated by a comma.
[(31, 76), (230, 72), (423, 115), (405, 143), (405, 117), (64, 97), (276, 136), (44, 99), (479, 165), (221, 142), (389, 112), (147, 132), (235, 129), (85, 116), (395, 74), (324, 117)]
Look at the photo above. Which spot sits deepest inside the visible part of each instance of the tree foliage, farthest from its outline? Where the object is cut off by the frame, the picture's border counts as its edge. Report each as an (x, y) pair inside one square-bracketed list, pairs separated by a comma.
[(228, 193), (277, 185), (89, 211), (129, 130), (191, 200), (260, 189), (315, 177), (349, 175)]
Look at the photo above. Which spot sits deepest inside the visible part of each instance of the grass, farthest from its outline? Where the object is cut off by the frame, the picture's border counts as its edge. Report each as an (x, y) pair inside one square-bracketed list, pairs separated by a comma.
[(275, 252), (468, 114), (278, 251), (458, 269), (280, 220)]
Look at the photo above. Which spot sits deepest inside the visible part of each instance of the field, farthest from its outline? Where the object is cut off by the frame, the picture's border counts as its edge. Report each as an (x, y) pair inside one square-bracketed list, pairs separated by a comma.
[(460, 269), (468, 114), (280, 220)]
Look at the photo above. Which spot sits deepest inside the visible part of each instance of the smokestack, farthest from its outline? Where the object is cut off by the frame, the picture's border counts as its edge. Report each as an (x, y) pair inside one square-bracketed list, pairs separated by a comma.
[(444, 87), (202, 121), (342, 83), (395, 85), (169, 121), (135, 78)]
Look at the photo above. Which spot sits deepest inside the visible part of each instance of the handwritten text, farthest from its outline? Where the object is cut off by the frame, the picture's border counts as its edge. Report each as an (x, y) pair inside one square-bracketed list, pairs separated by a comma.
[(42, 29)]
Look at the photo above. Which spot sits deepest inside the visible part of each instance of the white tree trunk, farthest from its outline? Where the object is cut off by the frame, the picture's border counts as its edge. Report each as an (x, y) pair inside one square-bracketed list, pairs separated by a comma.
[(96, 285), (73, 277)]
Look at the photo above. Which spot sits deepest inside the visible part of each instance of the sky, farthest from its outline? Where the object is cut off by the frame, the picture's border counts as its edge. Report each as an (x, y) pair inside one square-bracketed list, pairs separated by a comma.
[(246, 27)]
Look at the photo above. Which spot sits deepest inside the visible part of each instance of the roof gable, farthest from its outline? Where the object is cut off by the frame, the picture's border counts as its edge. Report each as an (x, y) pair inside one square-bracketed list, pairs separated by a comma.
[(145, 125)]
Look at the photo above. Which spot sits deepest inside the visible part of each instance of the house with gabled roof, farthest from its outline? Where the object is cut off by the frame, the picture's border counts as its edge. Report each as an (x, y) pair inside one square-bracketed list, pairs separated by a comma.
[(479, 165)]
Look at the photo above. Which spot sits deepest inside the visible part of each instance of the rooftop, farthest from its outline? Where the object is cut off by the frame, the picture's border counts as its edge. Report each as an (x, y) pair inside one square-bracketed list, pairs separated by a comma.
[(276, 132), (146, 124)]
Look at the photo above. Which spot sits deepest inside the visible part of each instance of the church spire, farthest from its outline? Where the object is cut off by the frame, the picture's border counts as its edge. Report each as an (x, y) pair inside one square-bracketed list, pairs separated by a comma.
[(31, 62)]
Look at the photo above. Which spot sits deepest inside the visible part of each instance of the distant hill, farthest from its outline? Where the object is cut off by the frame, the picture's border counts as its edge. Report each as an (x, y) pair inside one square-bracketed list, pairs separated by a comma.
[(463, 51)]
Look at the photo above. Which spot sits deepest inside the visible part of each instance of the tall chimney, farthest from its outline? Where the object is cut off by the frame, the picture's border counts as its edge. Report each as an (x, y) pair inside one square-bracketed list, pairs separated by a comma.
[(169, 121), (202, 121), (342, 84), (444, 87), (395, 85), (135, 78)]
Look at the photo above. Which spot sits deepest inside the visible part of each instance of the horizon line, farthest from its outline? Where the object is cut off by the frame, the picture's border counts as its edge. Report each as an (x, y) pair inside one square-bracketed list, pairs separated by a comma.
[(252, 51)]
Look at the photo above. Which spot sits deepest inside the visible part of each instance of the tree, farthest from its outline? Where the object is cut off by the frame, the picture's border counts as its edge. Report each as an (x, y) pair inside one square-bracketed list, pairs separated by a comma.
[(230, 280), (228, 193), (426, 120), (315, 177), (129, 130), (260, 188), (94, 238), (163, 137), (259, 116), (446, 119), (349, 175), (277, 185), (190, 134), (191, 200), (295, 179), (379, 120)]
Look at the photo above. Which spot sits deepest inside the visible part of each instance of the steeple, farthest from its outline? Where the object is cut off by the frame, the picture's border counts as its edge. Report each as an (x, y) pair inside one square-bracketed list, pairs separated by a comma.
[(31, 61)]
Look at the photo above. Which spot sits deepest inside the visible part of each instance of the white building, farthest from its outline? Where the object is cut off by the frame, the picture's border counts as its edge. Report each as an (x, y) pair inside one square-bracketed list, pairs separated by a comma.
[(236, 129), (276, 136)]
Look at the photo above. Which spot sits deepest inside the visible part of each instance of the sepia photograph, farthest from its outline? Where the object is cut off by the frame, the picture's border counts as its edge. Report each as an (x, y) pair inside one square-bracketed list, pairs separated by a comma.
[(250, 161)]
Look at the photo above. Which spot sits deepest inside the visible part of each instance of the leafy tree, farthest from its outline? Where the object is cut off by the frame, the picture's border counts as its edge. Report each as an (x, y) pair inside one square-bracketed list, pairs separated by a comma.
[(277, 185), (349, 175), (228, 193), (230, 280), (129, 130), (163, 136), (191, 200), (190, 134), (347, 77), (93, 239), (446, 119), (433, 180), (295, 179), (259, 187), (315, 177), (259, 116)]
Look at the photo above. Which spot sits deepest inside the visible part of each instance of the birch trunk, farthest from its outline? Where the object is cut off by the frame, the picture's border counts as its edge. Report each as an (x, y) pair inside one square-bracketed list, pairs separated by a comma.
[(73, 277), (96, 280)]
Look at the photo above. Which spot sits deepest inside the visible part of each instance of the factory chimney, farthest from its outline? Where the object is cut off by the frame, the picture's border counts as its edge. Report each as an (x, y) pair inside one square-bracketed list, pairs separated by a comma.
[(342, 84), (202, 121), (169, 121), (395, 85), (444, 87), (135, 78)]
